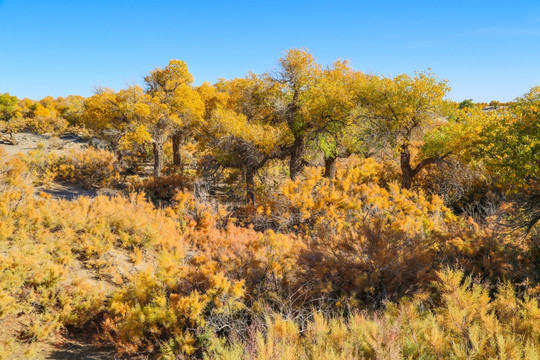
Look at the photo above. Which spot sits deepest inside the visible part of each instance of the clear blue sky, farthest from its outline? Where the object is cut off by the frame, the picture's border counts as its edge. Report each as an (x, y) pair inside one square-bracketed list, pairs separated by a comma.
[(486, 49)]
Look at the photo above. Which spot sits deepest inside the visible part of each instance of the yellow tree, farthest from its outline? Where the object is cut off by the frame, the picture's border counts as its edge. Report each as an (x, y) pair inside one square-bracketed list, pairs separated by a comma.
[(44, 108), (172, 87), (399, 111), (318, 105), (25, 105), (297, 74), (240, 130), (125, 118), (332, 113), (70, 108)]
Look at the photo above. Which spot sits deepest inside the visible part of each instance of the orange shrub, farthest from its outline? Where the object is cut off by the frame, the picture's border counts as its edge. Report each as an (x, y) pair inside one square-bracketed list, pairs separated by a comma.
[(46, 124), (373, 241), (162, 188), (92, 168)]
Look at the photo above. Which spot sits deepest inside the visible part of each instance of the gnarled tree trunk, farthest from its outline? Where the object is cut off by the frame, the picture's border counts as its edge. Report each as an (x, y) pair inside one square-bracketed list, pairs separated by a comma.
[(407, 171), (176, 147), (296, 162), (158, 158), (330, 167), (251, 169), (250, 185)]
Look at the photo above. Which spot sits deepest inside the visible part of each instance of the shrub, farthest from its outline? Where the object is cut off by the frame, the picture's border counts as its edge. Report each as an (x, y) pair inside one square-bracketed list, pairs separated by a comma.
[(360, 237), (169, 308), (160, 188), (59, 259), (92, 168), (46, 124), (186, 281), (458, 321), (368, 240)]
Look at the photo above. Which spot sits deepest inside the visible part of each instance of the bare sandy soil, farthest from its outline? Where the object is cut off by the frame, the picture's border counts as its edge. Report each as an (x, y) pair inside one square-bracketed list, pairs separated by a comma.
[(65, 190), (59, 144)]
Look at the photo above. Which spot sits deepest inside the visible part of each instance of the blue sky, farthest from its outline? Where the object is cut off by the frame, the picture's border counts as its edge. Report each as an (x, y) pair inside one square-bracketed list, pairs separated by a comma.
[(486, 49)]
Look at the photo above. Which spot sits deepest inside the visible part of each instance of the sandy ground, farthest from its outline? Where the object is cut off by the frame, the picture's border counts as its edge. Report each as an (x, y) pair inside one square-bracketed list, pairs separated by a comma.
[(65, 190), (28, 141)]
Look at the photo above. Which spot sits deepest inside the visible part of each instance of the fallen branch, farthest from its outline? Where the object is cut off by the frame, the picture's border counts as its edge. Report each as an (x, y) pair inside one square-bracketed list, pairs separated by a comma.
[(8, 141)]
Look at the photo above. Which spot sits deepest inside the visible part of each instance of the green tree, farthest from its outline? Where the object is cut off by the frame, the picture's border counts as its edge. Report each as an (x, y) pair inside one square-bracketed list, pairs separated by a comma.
[(9, 110), (508, 144), (9, 107), (505, 144), (465, 104)]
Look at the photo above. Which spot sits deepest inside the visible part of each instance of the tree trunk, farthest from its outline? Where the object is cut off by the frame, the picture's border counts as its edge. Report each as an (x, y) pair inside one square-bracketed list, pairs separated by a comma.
[(158, 159), (330, 167), (407, 172), (296, 163), (116, 150), (176, 143), (250, 186)]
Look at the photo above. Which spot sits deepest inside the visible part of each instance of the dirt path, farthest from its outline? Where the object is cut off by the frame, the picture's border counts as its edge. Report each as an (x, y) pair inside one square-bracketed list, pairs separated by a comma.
[(65, 190)]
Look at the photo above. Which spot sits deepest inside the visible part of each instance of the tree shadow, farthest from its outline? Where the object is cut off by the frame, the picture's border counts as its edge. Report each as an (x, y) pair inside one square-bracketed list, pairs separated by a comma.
[(81, 351)]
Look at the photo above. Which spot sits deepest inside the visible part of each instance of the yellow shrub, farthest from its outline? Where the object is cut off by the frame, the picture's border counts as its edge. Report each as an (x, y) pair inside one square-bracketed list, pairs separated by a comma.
[(55, 256), (92, 168), (465, 324), (46, 124), (360, 237), (187, 280)]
